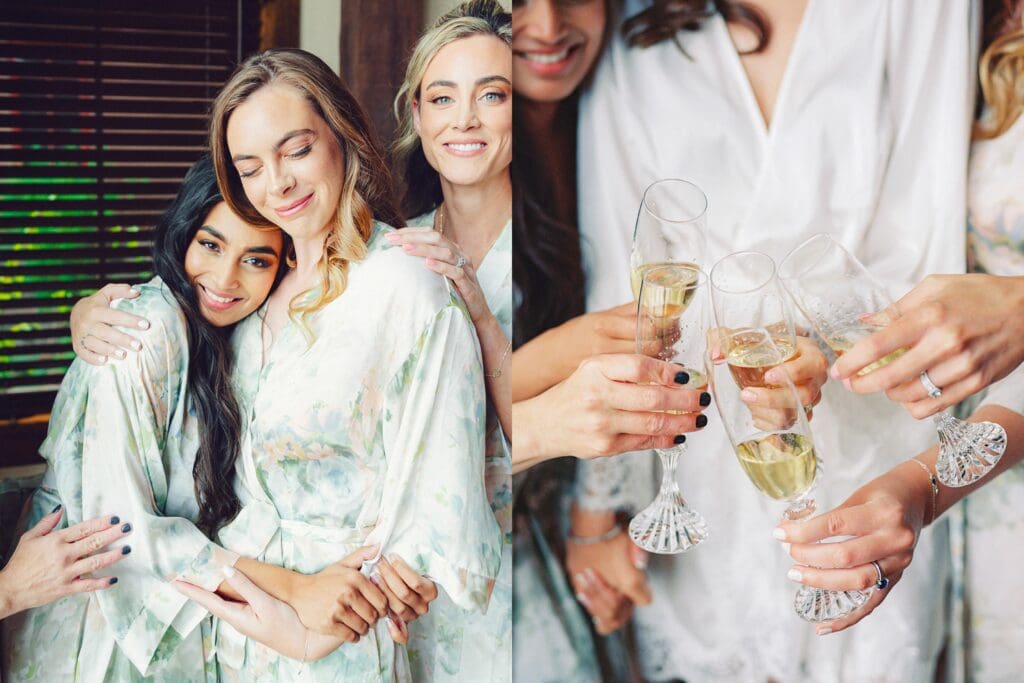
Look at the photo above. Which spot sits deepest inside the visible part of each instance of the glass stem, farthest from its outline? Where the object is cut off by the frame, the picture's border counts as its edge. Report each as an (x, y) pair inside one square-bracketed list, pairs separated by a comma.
[(669, 462), (800, 509)]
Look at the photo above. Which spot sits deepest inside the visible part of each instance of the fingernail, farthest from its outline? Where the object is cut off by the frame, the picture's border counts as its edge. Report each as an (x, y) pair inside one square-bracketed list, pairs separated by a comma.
[(143, 324), (705, 399), (640, 563), (794, 575), (115, 519), (391, 236), (824, 630), (779, 533), (589, 573), (771, 376), (785, 548), (113, 580), (136, 344), (121, 355), (581, 578), (847, 384), (702, 421), (679, 438), (126, 549), (103, 359), (682, 377), (126, 527), (56, 508), (228, 571), (833, 372), (749, 396), (408, 247), (583, 600)]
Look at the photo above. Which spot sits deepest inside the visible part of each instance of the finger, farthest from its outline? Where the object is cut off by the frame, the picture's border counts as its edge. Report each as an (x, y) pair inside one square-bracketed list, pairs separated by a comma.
[(397, 629), (854, 520), (903, 332), (652, 397), (854, 617), (850, 553), (88, 545), (779, 398), (601, 600), (859, 578), (662, 424), (447, 269), (639, 557), (401, 589), (83, 529), (628, 443), (213, 603), (636, 369), (89, 356), (627, 310), (94, 563), (618, 327), (945, 375), (250, 592), (117, 291), (809, 365), (102, 338), (929, 406), (46, 524), (101, 348), (426, 588), (355, 559), (348, 617), (363, 609), (395, 606), (426, 234), (87, 585), (439, 252)]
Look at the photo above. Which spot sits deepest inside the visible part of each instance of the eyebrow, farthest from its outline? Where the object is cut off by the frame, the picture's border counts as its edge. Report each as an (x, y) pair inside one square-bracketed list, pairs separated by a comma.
[(479, 81), (280, 143), (249, 250)]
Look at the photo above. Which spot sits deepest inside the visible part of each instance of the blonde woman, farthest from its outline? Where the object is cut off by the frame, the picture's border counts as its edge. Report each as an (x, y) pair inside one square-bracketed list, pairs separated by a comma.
[(455, 146)]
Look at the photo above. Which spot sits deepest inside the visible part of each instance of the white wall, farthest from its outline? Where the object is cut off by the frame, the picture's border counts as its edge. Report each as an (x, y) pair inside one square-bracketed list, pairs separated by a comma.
[(319, 29)]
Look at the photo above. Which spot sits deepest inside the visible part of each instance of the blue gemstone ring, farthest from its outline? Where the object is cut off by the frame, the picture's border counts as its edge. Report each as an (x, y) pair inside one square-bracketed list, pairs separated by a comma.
[(882, 582)]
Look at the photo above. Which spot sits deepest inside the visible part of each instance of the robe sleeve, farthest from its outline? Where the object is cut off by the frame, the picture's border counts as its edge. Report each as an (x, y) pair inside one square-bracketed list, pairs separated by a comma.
[(133, 419), (434, 512)]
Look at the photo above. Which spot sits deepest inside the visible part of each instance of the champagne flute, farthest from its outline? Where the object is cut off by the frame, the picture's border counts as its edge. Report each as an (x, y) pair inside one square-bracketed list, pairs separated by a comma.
[(775, 448), (845, 304), (670, 326), (671, 227), (745, 293)]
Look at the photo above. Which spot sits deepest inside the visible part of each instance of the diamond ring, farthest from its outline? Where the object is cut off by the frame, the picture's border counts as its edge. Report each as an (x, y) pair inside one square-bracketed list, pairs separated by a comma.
[(929, 385)]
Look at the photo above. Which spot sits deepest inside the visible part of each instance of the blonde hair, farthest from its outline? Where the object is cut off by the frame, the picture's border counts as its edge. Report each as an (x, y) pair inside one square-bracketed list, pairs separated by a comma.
[(366, 185), (472, 18), (1001, 72)]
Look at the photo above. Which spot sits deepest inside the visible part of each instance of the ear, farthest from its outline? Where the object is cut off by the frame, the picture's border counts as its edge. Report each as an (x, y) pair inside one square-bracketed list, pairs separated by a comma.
[(416, 115)]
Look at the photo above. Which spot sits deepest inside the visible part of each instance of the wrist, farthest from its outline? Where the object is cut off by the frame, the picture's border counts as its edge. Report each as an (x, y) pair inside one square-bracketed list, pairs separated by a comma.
[(8, 605), (591, 523)]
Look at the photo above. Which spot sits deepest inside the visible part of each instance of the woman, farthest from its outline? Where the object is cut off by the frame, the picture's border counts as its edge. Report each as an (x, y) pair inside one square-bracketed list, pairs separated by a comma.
[(388, 435), (886, 515), (766, 97), (454, 143)]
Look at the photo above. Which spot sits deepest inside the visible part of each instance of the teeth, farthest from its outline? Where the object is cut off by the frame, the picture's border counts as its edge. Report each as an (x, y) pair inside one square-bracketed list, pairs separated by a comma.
[(218, 299), (466, 148), (546, 58)]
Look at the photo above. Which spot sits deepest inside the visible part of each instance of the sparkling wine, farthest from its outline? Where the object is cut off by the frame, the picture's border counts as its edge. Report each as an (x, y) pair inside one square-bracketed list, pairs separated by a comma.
[(781, 465), (844, 340), (636, 277), (748, 361)]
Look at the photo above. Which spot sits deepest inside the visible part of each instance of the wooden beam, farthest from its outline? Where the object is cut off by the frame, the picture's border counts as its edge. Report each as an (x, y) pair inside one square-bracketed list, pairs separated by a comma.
[(279, 23)]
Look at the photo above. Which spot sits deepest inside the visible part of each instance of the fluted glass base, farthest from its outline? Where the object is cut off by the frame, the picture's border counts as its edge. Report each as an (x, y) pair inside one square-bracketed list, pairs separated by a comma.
[(967, 450), (817, 604), (668, 526)]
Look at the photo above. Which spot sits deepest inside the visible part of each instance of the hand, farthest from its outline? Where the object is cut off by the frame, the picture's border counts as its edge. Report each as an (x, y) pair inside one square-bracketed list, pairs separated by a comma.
[(608, 577), (338, 600), (441, 256), (884, 517), (808, 370), (603, 408), (964, 330), (47, 566), (263, 618), (609, 331), (93, 333), (408, 594)]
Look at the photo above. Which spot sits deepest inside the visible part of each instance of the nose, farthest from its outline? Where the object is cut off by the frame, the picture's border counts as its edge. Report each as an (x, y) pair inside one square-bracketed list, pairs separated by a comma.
[(467, 114), (281, 181), (225, 275), (542, 20)]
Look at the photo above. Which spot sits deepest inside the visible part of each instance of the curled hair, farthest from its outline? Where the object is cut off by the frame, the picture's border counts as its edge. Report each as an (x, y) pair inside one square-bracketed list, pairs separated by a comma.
[(665, 18), (1001, 70), (472, 18), (209, 351), (366, 186)]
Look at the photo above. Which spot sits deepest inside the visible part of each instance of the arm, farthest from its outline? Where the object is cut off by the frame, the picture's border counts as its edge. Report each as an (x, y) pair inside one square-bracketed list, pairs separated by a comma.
[(48, 565), (94, 334), (884, 518), (554, 355)]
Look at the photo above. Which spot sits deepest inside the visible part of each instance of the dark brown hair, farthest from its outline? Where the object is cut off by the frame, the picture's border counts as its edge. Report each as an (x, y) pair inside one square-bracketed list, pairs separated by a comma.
[(665, 18)]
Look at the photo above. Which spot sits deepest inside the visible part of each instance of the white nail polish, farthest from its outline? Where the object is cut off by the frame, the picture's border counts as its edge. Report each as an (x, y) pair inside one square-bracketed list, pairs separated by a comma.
[(136, 345), (794, 575), (785, 548), (824, 631), (143, 324), (779, 533)]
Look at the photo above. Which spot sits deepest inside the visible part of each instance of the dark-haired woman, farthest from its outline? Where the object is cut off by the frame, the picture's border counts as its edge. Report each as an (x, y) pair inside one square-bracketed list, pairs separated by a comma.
[(129, 435), (797, 118)]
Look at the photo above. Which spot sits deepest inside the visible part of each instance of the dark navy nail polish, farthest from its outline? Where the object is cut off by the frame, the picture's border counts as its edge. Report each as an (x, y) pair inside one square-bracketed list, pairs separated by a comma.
[(126, 549), (680, 438), (56, 508), (115, 519), (127, 527), (682, 377), (705, 399), (702, 421), (113, 580)]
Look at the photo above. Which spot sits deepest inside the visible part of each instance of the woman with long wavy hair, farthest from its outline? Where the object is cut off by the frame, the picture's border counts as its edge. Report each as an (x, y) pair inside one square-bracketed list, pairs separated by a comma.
[(796, 118)]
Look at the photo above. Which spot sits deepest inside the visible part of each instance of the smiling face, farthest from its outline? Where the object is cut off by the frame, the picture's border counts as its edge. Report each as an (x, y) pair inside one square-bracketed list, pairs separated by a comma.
[(464, 111), (555, 42), (290, 164), (232, 265)]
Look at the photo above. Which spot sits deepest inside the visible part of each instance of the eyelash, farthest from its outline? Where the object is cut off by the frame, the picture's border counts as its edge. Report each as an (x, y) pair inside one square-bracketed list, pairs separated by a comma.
[(294, 155), (252, 260), (501, 97)]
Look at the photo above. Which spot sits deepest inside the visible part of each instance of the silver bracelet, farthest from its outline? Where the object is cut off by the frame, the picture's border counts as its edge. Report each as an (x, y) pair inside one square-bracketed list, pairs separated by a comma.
[(496, 373), (934, 482), (600, 538)]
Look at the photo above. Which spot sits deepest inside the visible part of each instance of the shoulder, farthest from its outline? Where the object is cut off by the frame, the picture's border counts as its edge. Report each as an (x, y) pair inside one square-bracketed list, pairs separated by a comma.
[(397, 277), (156, 304)]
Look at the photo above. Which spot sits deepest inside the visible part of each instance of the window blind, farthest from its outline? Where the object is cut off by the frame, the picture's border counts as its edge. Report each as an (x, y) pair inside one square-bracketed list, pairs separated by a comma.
[(103, 107)]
